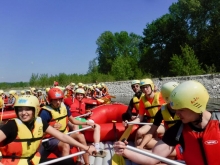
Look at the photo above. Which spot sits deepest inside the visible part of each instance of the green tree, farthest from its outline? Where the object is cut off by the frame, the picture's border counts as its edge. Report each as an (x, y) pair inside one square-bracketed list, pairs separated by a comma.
[(186, 63), (121, 69), (93, 66), (111, 46)]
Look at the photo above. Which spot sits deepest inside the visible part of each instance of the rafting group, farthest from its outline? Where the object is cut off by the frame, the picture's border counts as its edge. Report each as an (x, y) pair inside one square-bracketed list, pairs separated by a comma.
[(172, 126)]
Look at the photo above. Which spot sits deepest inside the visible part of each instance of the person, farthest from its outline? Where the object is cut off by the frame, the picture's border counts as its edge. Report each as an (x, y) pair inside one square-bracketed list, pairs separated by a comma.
[(104, 90), (22, 92), (78, 108), (57, 115), (33, 91), (69, 90), (1, 100), (198, 131), (20, 137), (12, 99), (149, 104), (28, 92), (134, 102), (42, 98), (166, 115)]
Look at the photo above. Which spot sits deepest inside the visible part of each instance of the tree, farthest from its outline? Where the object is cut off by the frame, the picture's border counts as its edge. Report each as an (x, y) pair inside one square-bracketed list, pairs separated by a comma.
[(186, 63), (111, 46), (93, 67)]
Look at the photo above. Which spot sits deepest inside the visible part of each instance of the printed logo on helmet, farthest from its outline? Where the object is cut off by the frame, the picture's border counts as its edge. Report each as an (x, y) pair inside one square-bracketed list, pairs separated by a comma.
[(211, 142), (194, 100), (22, 101), (57, 94)]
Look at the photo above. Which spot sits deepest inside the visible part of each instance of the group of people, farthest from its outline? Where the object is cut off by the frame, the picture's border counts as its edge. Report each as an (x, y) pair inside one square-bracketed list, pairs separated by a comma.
[(20, 138), (182, 128)]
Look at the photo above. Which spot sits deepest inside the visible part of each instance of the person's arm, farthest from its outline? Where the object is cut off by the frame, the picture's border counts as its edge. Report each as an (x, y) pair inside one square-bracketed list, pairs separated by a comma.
[(2, 136), (67, 139), (128, 114), (160, 149)]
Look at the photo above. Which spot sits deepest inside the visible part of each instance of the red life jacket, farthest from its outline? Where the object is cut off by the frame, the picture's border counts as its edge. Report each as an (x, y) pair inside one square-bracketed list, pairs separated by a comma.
[(77, 108), (202, 148)]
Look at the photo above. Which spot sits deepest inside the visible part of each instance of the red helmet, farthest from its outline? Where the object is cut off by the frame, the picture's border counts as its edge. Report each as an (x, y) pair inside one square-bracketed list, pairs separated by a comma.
[(55, 93), (55, 83)]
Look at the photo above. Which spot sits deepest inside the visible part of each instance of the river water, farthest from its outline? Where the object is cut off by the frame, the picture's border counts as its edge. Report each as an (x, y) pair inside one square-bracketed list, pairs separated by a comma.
[(213, 104)]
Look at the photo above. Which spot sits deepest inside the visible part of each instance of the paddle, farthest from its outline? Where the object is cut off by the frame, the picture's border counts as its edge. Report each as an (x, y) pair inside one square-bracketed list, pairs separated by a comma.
[(2, 112), (86, 114), (118, 159), (169, 161), (62, 158), (82, 129), (139, 123), (112, 96)]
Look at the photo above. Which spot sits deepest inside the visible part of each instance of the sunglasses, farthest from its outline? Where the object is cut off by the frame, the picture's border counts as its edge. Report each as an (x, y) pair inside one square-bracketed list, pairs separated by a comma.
[(145, 86), (135, 86)]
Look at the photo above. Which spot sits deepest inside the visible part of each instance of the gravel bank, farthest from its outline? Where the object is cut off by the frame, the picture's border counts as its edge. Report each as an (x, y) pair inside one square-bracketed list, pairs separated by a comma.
[(210, 81)]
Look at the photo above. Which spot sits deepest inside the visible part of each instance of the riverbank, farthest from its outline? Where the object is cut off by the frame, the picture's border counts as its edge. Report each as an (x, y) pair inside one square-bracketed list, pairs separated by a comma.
[(210, 81)]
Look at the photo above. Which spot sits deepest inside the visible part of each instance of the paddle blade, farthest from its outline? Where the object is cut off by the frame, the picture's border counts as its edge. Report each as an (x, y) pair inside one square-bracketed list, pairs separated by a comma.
[(118, 160), (127, 133), (100, 100)]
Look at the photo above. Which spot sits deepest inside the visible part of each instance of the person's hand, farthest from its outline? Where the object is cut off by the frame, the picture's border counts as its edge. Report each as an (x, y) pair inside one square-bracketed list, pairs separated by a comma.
[(125, 123), (119, 147), (90, 124), (88, 114), (91, 150), (57, 126), (133, 117)]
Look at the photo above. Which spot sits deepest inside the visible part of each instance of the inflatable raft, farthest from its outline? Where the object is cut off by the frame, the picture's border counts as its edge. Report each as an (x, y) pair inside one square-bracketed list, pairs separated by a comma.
[(104, 115)]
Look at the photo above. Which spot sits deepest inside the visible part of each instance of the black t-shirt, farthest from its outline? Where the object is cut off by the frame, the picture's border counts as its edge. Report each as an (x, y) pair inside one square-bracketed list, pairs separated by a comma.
[(159, 117), (10, 130)]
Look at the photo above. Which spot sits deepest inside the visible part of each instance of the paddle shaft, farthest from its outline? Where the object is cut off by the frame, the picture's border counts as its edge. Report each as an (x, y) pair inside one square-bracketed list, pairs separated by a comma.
[(70, 132), (63, 158), (169, 161), (83, 115), (140, 123), (115, 131), (2, 111)]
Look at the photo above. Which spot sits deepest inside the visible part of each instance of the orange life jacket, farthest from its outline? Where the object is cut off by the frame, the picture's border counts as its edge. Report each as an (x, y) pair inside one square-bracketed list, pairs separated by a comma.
[(77, 108)]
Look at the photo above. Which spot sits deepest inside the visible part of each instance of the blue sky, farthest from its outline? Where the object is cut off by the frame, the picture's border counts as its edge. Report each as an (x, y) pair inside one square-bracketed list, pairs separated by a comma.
[(59, 36)]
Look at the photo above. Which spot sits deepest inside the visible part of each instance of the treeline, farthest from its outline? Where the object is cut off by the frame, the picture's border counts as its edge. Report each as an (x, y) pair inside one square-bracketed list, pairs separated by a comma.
[(185, 41)]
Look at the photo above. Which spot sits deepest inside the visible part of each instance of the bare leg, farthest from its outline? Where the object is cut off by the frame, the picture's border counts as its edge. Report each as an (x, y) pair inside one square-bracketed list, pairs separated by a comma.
[(81, 138), (64, 148), (140, 132)]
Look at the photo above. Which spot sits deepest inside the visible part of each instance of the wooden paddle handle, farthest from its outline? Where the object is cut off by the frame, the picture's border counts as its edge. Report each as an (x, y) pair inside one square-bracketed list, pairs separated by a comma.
[(115, 130)]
